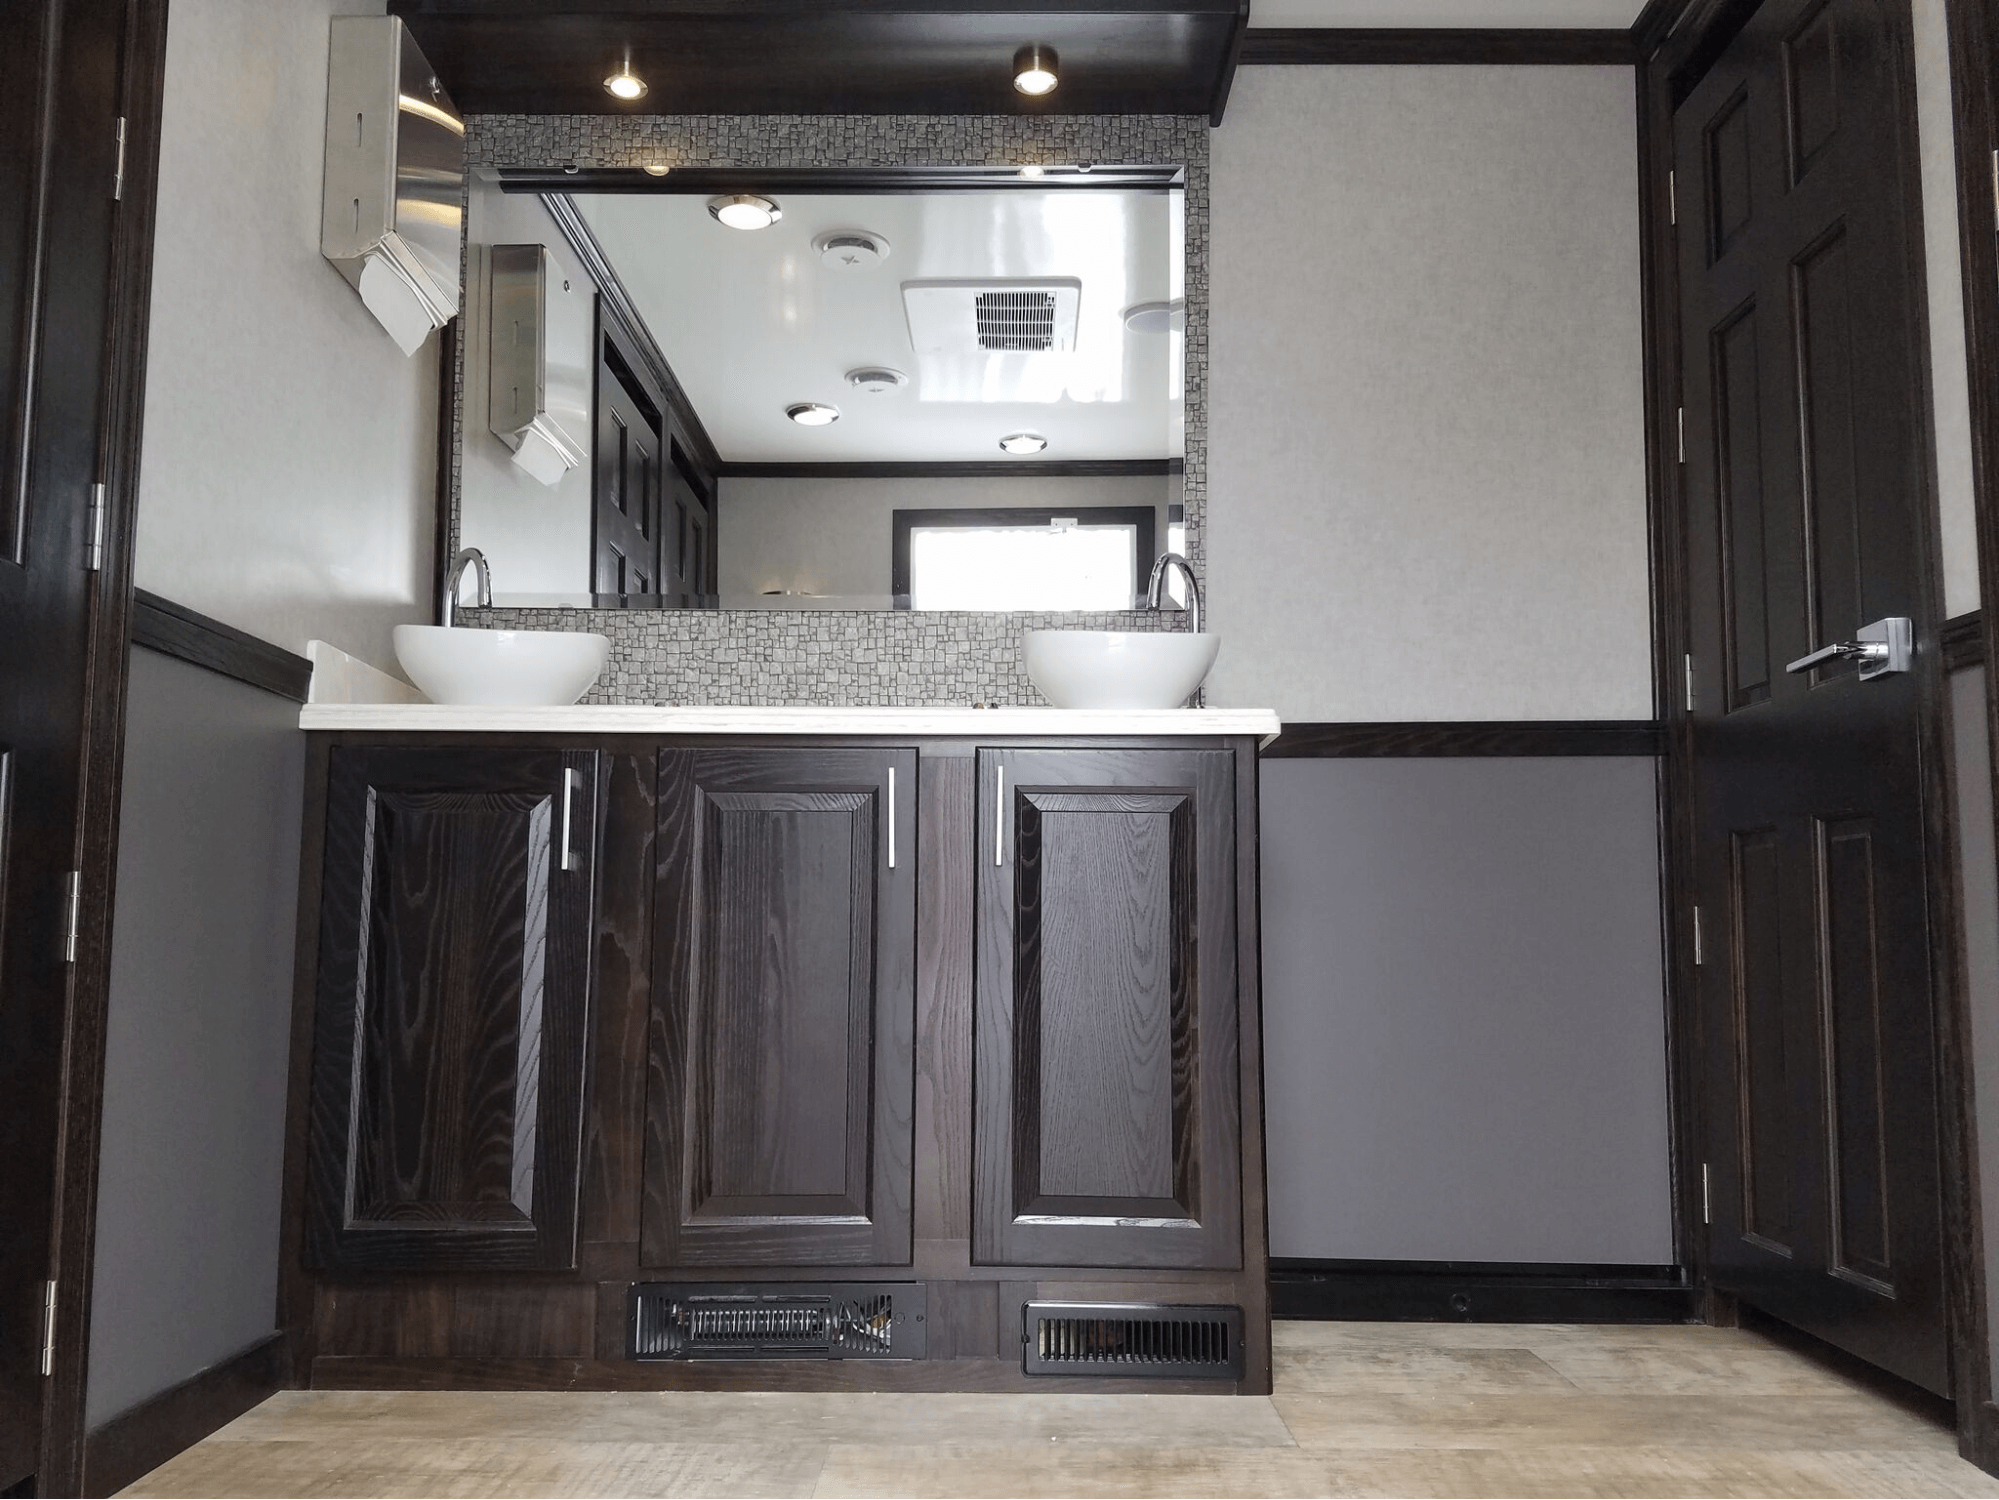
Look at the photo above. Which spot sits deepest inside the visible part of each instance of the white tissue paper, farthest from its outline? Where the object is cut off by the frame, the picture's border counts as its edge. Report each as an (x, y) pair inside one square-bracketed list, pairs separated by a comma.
[(395, 303)]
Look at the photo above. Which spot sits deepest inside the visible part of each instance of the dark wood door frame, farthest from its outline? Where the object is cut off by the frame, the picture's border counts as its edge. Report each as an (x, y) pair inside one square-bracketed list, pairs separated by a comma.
[(124, 364), (1685, 36)]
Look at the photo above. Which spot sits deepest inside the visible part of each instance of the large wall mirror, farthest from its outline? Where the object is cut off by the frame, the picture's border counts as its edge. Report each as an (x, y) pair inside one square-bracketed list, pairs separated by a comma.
[(938, 388)]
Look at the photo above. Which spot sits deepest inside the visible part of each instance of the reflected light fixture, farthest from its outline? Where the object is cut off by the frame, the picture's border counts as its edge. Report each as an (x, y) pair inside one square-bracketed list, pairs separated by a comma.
[(813, 414), (1033, 169), (1034, 70), (657, 168), (1023, 442), (745, 211), (625, 84)]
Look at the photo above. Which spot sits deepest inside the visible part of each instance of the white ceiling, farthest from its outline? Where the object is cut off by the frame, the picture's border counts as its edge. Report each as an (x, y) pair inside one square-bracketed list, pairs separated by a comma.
[(753, 321), (1536, 14)]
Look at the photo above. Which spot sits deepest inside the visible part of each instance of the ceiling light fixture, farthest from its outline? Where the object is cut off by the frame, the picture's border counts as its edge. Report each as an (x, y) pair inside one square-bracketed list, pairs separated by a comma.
[(1155, 317), (657, 168), (877, 380), (1023, 442), (1033, 169), (813, 414), (625, 84), (1034, 70), (745, 211)]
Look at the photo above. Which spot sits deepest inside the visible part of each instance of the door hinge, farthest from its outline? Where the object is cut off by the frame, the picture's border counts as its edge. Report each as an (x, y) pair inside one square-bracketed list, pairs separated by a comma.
[(118, 178), (1690, 682), (72, 919), (1700, 953), (1672, 196), (93, 549), (48, 1329), (1707, 1198)]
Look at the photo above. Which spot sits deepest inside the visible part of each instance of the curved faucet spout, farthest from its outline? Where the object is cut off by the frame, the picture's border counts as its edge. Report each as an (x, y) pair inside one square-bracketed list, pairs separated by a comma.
[(473, 558), (1155, 591)]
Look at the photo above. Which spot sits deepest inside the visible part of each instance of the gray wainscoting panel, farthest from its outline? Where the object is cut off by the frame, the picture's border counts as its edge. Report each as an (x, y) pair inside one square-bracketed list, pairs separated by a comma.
[(1464, 1011), (200, 1016)]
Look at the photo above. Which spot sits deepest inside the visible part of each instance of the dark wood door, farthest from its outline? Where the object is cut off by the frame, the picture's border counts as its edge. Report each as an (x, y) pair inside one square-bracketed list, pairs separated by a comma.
[(454, 982), (1106, 1128), (59, 83), (779, 1109), (1804, 474), (691, 536), (631, 481)]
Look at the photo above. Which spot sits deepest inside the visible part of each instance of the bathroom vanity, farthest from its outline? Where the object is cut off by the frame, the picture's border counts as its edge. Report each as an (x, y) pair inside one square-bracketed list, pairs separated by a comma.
[(780, 1048)]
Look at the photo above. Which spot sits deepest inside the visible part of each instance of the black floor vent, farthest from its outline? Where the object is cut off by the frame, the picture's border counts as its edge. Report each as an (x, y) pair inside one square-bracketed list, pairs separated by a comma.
[(1132, 1339), (778, 1320)]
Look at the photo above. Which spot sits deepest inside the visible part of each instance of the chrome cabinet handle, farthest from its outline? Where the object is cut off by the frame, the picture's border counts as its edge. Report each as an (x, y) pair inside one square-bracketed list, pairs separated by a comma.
[(891, 817), (1884, 647), (571, 780), (999, 816)]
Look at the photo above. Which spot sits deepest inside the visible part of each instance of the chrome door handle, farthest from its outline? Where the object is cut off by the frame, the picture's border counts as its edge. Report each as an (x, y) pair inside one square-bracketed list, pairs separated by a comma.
[(891, 817), (1881, 648), (571, 780)]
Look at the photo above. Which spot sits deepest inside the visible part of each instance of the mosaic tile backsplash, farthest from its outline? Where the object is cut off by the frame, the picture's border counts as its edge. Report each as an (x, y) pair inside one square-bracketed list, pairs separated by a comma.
[(898, 659)]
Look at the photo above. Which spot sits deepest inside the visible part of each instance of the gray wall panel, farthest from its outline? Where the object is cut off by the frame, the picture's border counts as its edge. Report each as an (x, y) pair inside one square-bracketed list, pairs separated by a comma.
[(200, 1017), (1978, 888), (1464, 1011)]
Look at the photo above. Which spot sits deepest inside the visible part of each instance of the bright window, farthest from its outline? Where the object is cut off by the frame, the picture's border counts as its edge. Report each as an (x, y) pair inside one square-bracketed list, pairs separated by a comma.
[(1083, 559)]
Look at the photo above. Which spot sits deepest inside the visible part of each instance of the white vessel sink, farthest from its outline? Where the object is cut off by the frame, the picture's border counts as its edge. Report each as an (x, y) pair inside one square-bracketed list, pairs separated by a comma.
[(455, 665), (1118, 668)]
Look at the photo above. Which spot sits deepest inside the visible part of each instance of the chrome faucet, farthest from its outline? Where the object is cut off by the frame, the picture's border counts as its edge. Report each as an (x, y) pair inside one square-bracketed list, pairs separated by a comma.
[(471, 557), (1156, 590)]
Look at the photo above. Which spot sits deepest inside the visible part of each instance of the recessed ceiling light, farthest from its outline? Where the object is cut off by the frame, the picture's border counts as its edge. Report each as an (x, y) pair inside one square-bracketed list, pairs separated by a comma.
[(1023, 442), (1154, 317), (877, 380), (745, 211), (1033, 169), (851, 249), (1034, 70), (657, 168), (813, 414), (625, 84)]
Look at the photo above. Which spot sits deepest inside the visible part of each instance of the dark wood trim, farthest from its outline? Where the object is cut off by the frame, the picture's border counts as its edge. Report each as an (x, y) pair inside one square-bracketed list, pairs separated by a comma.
[(867, 181), (1655, 23), (442, 522), (141, 88), (1142, 519), (1417, 740), (1477, 1292), (1333, 46), (1075, 468), (1226, 80), (1962, 641), (177, 631), (138, 1441)]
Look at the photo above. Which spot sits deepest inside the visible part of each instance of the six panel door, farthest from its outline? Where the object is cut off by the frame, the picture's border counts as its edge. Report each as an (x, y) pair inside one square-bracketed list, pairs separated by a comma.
[(454, 982), (780, 1103), (1106, 1121)]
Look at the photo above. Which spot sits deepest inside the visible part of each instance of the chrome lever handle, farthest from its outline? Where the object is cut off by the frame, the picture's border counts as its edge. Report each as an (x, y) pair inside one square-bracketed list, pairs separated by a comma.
[(572, 779), (1884, 647)]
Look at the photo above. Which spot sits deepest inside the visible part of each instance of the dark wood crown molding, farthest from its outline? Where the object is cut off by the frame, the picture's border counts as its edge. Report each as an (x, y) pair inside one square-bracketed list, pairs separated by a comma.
[(1079, 468), (1335, 45), (177, 631), (1532, 737), (868, 181)]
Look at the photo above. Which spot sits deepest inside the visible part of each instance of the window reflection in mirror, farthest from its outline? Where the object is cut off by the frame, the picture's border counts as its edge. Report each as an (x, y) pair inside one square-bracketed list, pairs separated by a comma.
[(930, 325)]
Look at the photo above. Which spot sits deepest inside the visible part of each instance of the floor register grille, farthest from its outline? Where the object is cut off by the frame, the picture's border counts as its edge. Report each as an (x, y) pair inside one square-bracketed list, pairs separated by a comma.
[(1132, 1339), (837, 1320)]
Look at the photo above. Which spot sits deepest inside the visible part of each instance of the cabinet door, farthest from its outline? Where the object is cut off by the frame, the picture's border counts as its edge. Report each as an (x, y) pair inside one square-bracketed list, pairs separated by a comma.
[(780, 1102), (1106, 1121), (454, 981)]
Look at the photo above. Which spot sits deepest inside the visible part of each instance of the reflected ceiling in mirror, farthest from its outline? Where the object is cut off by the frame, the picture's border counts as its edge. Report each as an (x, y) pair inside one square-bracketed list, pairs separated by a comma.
[(976, 346)]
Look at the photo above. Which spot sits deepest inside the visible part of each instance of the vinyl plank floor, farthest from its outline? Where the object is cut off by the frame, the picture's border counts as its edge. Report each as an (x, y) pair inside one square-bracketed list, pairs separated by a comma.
[(1360, 1410)]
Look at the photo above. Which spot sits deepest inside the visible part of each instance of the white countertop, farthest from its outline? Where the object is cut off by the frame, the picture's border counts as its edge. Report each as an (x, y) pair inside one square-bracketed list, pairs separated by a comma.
[(638, 718)]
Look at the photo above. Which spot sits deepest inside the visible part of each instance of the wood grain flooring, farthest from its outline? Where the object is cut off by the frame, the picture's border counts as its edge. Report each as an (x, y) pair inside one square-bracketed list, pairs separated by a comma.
[(1360, 1409)]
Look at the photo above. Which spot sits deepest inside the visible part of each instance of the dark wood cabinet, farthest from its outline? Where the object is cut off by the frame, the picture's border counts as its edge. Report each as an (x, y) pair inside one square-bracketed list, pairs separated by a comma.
[(1107, 1121), (779, 1102), (452, 999)]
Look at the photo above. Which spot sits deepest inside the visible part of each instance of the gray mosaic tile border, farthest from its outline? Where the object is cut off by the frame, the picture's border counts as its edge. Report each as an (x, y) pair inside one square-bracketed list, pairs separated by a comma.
[(895, 659)]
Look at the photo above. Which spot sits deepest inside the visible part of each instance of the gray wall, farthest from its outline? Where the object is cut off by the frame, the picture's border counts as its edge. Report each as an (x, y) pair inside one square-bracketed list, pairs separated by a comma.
[(1978, 889), (200, 1016), (1464, 1048), (1426, 422)]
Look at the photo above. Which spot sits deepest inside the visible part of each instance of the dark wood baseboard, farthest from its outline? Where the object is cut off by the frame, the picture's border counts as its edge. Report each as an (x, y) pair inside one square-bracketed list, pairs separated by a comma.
[(177, 631), (1372, 1291), (138, 1441), (1963, 641), (1320, 46), (1533, 738)]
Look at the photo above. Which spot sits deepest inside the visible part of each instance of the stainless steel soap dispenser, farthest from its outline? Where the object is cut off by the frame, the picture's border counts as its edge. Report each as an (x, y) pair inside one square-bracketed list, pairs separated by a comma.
[(395, 177)]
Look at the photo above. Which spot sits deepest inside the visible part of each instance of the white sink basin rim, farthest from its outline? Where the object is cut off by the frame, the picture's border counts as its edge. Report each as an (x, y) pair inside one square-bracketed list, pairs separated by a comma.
[(454, 664), (1118, 668)]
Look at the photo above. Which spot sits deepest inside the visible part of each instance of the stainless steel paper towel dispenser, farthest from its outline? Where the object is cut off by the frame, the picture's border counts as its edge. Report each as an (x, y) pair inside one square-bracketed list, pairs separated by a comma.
[(538, 401), (393, 211)]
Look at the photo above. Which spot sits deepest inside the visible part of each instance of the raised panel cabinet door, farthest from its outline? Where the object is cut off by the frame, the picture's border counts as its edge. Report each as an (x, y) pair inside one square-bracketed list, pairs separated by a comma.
[(1107, 1129), (453, 997), (780, 1099)]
